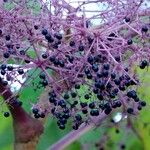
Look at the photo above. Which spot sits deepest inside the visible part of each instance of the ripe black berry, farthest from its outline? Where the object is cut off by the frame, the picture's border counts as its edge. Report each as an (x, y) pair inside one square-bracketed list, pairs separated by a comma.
[(94, 112), (122, 146), (86, 71), (81, 47), (111, 35), (44, 31), (17, 46), (117, 131), (55, 45), (117, 81), (106, 66), (6, 114), (75, 102), (61, 63), (75, 127), (113, 75), (95, 67), (132, 82), (22, 52), (37, 116), (143, 64), (86, 96), (105, 73), (115, 90), (52, 99), (129, 42), (19, 103), (58, 36), (95, 90), (73, 94), (63, 121), (136, 99), (107, 111), (83, 104), (27, 61), (100, 96), (70, 59), (118, 103), (99, 75), (42, 115), (77, 86), (92, 105), (35, 110), (97, 58), (66, 96), (7, 37), (139, 107), (109, 86), (90, 39), (114, 105), (53, 110), (127, 19), (6, 55), (144, 29), (44, 56), (130, 110), (4, 83), (66, 115), (78, 117), (89, 76), (112, 95), (3, 72), (35, 27), (90, 59), (3, 66), (52, 94), (84, 111), (126, 69), (42, 76), (66, 110), (121, 78), (143, 103), (52, 58), (117, 58), (80, 75), (132, 94), (49, 38), (72, 43), (62, 103), (1, 32), (122, 87), (56, 62), (44, 82), (20, 71)]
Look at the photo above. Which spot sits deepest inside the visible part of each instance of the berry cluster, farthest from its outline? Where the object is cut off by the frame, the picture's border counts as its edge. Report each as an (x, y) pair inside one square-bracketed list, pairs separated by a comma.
[(107, 89), (37, 113), (88, 69)]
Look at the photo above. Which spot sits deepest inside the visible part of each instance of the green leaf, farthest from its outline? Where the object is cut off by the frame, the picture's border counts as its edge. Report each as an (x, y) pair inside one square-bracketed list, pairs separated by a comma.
[(74, 146), (6, 132), (29, 94)]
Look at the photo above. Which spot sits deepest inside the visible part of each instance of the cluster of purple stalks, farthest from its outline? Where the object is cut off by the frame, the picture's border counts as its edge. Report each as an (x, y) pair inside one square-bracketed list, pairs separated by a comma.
[(88, 69)]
